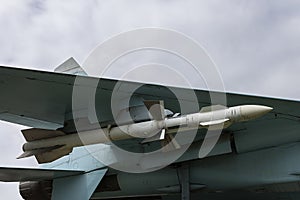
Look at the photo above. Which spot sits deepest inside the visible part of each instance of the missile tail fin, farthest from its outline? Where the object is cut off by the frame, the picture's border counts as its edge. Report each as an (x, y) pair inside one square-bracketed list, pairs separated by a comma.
[(157, 137), (48, 154), (156, 109), (33, 134), (170, 144)]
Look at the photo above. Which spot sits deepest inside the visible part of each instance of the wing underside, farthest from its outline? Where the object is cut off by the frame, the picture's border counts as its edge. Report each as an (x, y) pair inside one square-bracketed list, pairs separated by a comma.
[(44, 99), (31, 174)]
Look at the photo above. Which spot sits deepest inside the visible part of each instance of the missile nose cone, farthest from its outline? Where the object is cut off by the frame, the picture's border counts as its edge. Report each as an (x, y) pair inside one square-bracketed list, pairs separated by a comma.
[(254, 111)]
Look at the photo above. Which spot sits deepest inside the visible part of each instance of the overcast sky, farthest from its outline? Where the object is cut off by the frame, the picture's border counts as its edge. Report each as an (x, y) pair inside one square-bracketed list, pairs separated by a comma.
[(255, 44)]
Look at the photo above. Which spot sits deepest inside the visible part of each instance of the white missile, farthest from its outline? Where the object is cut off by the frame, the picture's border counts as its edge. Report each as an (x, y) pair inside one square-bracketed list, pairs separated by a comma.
[(212, 117)]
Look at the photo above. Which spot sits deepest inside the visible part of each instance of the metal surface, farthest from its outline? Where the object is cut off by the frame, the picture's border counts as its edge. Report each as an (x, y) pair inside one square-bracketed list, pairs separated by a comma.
[(214, 120), (251, 159)]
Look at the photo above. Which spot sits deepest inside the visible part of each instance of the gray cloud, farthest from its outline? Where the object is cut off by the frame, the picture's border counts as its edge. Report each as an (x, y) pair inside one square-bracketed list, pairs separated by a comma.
[(254, 43)]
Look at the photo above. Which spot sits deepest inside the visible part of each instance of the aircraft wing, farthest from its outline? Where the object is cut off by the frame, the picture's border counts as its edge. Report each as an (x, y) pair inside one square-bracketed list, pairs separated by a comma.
[(34, 98), (43, 99), (32, 174), (65, 184)]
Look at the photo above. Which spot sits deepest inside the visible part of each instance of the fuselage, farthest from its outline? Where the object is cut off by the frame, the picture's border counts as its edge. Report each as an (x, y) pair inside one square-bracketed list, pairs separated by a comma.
[(210, 176)]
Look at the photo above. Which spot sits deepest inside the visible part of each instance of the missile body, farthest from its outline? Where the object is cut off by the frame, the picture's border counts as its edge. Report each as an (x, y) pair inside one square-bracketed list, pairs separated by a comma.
[(213, 117)]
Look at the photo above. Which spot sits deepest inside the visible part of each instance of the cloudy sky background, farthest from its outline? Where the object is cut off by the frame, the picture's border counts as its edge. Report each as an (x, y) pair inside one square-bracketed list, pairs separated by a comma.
[(255, 44)]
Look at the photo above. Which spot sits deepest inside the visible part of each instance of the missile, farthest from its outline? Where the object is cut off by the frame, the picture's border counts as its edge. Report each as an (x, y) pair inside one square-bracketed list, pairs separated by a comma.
[(211, 117)]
